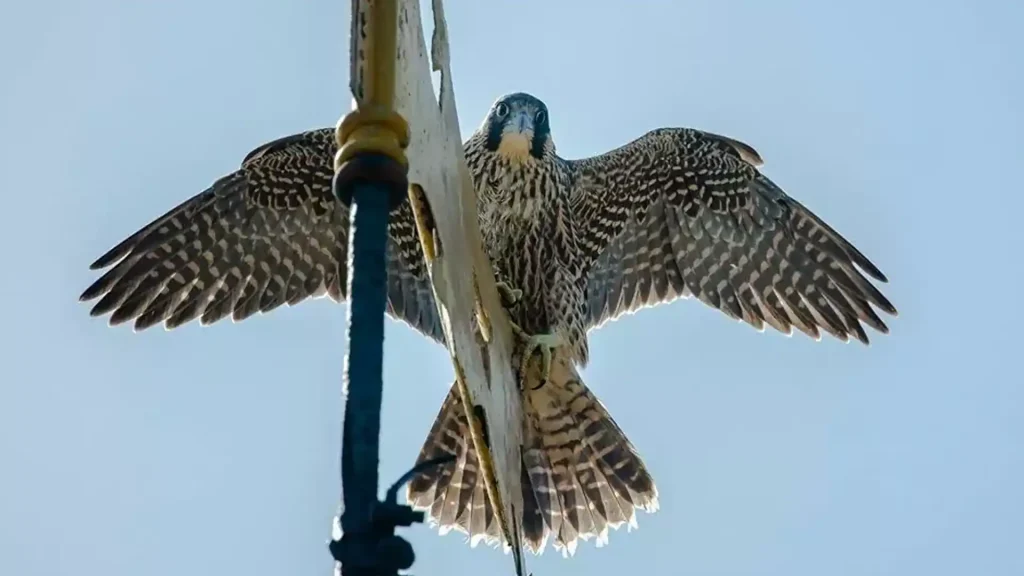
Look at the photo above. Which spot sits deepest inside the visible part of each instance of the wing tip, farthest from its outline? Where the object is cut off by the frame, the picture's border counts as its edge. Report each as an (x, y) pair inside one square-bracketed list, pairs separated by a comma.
[(101, 308), (866, 265), (102, 262), (116, 253), (90, 293), (882, 327), (113, 321), (889, 309)]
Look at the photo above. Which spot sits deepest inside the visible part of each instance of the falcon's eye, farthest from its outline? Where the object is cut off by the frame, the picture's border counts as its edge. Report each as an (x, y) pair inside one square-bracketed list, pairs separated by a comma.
[(501, 110), (541, 117)]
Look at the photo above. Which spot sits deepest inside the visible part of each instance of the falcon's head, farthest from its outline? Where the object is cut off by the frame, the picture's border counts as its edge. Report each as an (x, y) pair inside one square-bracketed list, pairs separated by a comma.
[(517, 128)]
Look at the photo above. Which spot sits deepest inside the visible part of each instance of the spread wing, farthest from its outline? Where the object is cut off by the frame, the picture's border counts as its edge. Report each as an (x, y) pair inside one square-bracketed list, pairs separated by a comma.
[(680, 213), (268, 234)]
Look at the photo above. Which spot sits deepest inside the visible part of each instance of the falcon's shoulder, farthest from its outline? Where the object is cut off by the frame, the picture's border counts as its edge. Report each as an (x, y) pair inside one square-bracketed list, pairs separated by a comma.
[(681, 212), (267, 234)]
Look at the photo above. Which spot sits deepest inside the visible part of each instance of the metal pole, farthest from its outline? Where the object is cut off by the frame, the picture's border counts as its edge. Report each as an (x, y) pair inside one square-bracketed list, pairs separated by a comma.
[(363, 368), (371, 178)]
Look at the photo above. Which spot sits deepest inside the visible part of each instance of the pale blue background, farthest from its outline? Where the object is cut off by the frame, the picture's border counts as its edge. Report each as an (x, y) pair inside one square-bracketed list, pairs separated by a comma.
[(214, 451)]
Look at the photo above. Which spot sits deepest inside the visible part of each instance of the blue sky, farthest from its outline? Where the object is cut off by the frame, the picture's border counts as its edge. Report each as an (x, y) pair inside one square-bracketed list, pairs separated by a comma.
[(214, 450)]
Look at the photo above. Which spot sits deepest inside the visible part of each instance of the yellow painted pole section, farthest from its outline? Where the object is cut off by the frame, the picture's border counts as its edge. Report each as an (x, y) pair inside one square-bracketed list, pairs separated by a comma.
[(375, 126)]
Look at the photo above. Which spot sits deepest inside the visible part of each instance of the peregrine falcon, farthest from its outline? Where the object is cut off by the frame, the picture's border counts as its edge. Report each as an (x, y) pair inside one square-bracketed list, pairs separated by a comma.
[(676, 213)]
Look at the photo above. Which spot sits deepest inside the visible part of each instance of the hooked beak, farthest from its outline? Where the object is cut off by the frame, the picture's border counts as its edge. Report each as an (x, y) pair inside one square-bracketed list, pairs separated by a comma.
[(521, 122), (517, 136)]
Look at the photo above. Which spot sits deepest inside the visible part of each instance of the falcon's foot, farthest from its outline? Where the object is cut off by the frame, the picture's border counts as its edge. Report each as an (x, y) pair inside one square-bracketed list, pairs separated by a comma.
[(543, 343), (509, 296)]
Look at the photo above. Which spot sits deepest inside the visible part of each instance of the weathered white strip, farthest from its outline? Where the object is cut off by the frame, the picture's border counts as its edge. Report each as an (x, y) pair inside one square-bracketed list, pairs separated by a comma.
[(436, 163)]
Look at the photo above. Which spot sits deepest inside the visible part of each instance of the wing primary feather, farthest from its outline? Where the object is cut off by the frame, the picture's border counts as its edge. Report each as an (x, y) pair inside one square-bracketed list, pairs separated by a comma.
[(127, 245), (696, 200), (266, 235)]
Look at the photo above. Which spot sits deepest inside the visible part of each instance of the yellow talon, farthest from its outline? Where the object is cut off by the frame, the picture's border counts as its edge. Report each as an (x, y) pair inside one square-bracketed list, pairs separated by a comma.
[(509, 296), (543, 343)]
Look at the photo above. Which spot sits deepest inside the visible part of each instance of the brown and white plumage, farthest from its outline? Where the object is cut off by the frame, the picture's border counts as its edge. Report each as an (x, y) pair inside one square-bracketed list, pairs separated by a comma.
[(680, 212), (268, 234), (580, 474), (676, 213)]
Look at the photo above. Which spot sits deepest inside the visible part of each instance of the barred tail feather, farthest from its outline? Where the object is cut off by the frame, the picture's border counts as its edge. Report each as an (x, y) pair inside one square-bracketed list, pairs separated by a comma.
[(580, 474), (453, 494)]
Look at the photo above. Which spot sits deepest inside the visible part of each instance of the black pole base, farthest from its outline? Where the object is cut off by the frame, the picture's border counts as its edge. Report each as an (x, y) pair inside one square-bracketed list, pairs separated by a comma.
[(378, 551)]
